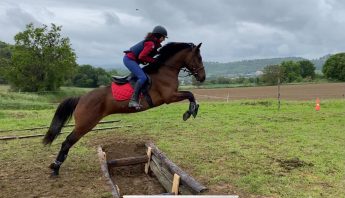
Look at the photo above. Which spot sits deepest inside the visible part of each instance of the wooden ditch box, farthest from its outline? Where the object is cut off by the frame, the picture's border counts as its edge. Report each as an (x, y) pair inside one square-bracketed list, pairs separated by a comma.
[(172, 178)]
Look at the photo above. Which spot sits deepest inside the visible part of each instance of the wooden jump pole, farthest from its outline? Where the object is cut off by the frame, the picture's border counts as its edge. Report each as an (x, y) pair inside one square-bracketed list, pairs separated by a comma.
[(172, 168), (104, 167), (127, 161), (176, 183), (166, 178), (147, 165)]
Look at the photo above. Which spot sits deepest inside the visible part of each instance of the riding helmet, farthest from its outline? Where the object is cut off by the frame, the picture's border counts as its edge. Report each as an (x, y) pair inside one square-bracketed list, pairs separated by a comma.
[(160, 30)]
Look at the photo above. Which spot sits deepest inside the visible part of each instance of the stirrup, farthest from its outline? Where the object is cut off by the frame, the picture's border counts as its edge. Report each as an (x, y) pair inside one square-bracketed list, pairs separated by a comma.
[(134, 104)]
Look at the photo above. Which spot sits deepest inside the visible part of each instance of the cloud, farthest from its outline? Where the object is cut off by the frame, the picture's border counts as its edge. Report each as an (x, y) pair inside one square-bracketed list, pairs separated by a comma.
[(230, 30)]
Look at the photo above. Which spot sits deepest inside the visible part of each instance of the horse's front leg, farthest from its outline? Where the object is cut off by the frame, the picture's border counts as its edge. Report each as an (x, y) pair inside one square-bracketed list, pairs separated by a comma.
[(193, 105)]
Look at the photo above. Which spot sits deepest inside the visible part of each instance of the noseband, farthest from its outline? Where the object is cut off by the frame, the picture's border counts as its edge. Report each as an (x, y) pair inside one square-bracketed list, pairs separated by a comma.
[(193, 71), (190, 72)]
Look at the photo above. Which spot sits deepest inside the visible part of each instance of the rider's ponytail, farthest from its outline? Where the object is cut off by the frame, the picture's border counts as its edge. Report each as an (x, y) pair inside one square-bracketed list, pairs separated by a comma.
[(151, 36)]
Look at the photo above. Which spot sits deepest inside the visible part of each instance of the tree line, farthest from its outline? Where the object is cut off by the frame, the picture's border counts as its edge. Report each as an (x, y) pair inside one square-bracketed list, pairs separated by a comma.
[(297, 71), (288, 72), (42, 60)]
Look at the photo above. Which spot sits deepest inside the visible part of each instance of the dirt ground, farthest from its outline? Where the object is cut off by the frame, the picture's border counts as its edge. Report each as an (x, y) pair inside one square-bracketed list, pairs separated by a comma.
[(287, 92), (26, 173)]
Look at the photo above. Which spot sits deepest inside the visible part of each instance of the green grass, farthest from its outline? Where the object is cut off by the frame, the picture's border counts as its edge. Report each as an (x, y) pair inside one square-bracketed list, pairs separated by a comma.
[(35, 101), (244, 143), (248, 144)]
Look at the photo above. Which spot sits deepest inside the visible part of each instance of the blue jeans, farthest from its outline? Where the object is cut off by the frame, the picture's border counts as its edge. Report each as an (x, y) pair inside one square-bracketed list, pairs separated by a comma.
[(134, 67)]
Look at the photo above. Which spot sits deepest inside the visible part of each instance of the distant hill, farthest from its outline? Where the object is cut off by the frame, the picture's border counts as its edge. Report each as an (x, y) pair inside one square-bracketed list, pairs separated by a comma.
[(236, 68), (318, 63), (249, 67)]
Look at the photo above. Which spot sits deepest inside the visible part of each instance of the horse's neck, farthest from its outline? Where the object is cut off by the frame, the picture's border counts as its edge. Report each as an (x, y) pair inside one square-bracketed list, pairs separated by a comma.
[(168, 73), (172, 66)]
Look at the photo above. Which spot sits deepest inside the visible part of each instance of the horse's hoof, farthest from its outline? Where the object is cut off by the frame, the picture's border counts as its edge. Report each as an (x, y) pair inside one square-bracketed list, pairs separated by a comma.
[(55, 169), (137, 108), (51, 166), (186, 116), (54, 175), (195, 112)]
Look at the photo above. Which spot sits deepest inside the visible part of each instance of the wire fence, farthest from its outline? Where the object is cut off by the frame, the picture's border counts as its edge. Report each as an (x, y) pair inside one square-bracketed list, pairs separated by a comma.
[(289, 97), (14, 137), (46, 127), (284, 92), (35, 130)]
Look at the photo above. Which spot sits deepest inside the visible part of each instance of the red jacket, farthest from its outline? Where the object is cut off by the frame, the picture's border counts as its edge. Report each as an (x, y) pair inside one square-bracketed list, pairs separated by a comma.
[(144, 51)]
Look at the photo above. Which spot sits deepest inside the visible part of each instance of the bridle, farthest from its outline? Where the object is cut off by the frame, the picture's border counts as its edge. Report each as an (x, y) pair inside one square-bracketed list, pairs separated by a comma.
[(190, 72)]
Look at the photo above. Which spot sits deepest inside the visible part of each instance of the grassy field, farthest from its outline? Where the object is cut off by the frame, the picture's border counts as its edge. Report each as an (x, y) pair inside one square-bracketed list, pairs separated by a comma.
[(246, 147)]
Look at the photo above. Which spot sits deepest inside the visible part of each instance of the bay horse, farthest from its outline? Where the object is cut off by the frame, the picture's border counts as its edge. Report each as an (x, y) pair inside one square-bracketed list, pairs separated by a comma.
[(90, 108)]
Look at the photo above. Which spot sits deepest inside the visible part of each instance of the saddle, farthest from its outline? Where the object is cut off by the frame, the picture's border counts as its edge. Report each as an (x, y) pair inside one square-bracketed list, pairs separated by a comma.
[(121, 80), (131, 80)]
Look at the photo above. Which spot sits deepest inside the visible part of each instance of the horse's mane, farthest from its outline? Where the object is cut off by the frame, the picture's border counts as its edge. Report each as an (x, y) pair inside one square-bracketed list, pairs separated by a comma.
[(165, 53)]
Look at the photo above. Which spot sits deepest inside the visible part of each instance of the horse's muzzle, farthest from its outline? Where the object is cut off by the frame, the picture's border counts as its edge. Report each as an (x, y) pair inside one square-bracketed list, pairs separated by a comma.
[(200, 78)]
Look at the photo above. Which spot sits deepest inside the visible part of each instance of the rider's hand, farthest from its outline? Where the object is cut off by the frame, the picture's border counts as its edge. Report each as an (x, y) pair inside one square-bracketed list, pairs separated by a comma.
[(157, 62)]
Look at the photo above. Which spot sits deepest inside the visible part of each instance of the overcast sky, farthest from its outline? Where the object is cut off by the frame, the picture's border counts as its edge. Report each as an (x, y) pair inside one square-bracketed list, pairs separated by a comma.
[(230, 30)]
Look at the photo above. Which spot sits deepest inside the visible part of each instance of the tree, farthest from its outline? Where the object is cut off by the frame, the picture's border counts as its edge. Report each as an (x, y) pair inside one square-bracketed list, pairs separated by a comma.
[(85, 76), (291, 71), (42, 60), (4, 63), (307, 69), (113, 72), (223, 80), (5, 56), (271, 74), (103, 77), (88, 76), (5, 50), (334, 67)]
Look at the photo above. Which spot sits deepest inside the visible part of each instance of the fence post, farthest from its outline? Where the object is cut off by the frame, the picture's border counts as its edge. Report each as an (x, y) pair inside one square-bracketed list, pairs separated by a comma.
[(278, 93)]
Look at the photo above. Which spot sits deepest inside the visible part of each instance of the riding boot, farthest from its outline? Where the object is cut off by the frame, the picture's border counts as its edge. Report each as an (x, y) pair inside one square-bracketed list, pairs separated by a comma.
[(134, 102)]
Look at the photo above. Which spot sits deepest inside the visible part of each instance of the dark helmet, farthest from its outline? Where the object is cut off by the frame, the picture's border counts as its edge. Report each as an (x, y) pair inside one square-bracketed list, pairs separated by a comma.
[(160, 30)]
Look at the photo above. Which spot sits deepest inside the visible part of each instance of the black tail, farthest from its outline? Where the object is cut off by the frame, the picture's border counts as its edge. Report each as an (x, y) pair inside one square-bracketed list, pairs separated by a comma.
[(62, 115)]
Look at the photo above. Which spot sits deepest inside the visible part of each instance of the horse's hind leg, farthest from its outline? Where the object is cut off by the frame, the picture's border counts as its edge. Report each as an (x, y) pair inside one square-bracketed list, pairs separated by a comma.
[(70, 140), (86, 116), (82, 126)]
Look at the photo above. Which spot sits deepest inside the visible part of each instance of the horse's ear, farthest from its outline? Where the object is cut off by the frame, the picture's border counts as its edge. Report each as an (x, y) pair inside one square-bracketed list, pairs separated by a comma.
[(198, 47)]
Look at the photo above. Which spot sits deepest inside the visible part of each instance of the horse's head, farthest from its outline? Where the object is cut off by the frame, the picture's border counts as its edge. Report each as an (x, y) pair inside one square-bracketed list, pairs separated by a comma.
[(194, 63), (177, 55)]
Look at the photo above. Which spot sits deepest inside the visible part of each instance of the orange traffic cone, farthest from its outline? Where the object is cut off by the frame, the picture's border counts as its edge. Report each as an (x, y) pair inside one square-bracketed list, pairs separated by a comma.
[(317, 107)]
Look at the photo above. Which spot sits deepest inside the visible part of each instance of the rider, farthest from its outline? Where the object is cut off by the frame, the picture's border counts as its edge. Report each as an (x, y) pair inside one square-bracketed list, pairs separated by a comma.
[(142, 53)]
